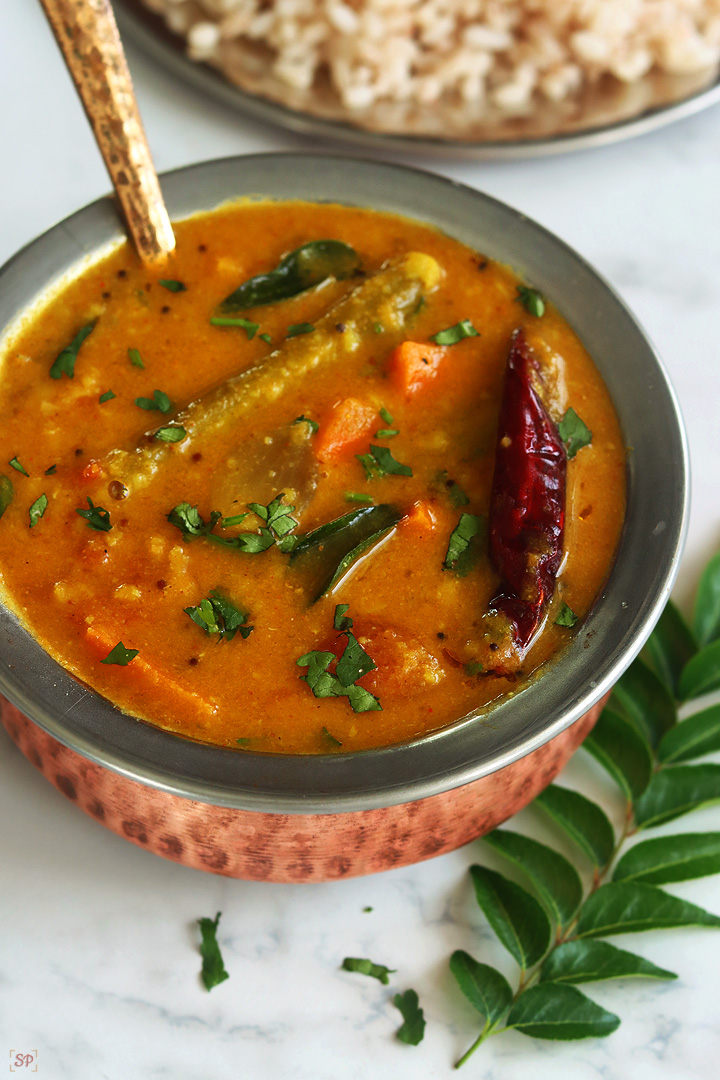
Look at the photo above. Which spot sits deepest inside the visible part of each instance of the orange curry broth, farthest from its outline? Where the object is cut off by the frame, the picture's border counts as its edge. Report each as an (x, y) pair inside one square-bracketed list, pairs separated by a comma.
[(81, 591)]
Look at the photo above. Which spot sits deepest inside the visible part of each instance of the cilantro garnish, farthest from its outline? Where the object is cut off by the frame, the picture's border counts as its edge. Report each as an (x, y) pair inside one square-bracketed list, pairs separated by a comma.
[(380, 462), (213, 969), (171, 434), (107, 396), (250, 328), (330, 739), (462, 553), (386, 433), (266, 338), (378, 328), (7, 494), (456, 493), (574, 433), (413, 1028), (531, 300), (453, 334), (159, 401), (135, 358), (366, 967), (276, 515), (120, 656), (97, 517), (276, 530), (218, 615), (299, 328), (353, 663), (37, 509), (16, 465), (313, 424), (357, 497), (386, 416), (172, 286), (228, 522), (566, 616), (473, 667), (51, 471), (65, 360)]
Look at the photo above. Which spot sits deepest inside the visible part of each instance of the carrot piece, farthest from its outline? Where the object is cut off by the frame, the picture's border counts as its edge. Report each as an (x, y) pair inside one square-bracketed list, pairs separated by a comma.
[(413, 364), (345, 429), (420, 516), (92, 471)]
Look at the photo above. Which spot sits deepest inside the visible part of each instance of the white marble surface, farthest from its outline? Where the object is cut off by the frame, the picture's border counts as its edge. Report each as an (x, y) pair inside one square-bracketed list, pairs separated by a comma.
[(99, 962)]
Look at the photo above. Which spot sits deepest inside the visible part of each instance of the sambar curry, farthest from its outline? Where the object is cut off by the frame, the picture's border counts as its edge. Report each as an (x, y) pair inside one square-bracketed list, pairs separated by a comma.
[(329, 481)]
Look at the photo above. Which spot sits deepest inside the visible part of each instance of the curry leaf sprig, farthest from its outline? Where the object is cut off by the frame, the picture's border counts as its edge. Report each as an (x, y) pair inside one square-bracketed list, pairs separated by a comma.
[(555, 932)]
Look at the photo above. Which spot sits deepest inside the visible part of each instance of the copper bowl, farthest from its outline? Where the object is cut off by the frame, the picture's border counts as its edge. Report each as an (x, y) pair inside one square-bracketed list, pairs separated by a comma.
[(301, 818)]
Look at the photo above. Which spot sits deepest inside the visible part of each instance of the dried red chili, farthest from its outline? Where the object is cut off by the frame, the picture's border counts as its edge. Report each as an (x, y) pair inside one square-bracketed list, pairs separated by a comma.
[(527, 504)]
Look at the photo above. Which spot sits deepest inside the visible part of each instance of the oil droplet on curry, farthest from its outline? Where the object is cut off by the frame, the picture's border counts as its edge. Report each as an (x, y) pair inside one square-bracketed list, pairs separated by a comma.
[(328, 482)]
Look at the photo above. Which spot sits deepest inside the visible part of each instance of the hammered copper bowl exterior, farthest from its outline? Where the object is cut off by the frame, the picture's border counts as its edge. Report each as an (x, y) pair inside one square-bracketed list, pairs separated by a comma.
[(258, 846)]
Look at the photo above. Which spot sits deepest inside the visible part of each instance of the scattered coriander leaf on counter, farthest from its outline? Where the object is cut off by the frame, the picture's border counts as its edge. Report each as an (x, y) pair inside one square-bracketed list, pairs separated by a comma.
[(107, 396), (159, 402), (296, 329), (566, 616), (213, 969), (531, 300), (120, 655), (51, 471), (172, 286), (135, 359), (250, 328), (366, 967), (412, 1029), (379, 462), (453, 334), (64, 363), (97, 517), (216, 614), (15, 464), (171, 434), (366, 910), (574, 433), (37, 509), (312, 424)]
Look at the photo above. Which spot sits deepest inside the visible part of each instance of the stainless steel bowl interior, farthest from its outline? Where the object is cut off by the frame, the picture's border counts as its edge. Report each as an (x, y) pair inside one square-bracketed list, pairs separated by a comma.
[(609, 639)]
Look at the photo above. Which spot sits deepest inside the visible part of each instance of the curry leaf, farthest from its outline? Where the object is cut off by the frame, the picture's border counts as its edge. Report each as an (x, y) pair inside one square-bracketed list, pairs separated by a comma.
[(701, 674), (706, 621), (676, 791), (213, 969), (556, 1011), (670, 646), (485, 988), (582, 820), (516, 917), (97, 517), (625, 907), (694, 737), (300, 270), (616, 744), (555, 879), (671, 858), (588, 960), (645, 700), (412, 1030), (64, 363), (366, 967)]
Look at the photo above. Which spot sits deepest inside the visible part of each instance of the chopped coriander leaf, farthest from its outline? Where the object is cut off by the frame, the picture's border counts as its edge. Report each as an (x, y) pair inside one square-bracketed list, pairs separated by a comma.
[(64, 363), (135, 358), (299, 328), (250, 328), (367, 909), (351, 665), (574, 433), (172, 434), (187, 519), (341, 621), (7, 494), (461, 552), (51, 471), (474, 667), (386, 416), (420, 306), (37, 509), (354, 662), (243, 742), (366, 967), (276, 515), (457, 495), (218, 615), (159, 401), (313, 424), (172, 286), (357, 497), (386, 433), (97, 517), (16, 465), (531, 300), (266, 338), (413, 1028), (107, 396), (453, 334), (120, 656), (378, 328), (380, 462), (213, 969), (566, 616), (228, 522), (330, 739)]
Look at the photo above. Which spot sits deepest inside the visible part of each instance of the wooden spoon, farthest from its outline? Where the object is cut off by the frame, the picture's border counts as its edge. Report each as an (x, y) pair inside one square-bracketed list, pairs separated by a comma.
[(88, 37)]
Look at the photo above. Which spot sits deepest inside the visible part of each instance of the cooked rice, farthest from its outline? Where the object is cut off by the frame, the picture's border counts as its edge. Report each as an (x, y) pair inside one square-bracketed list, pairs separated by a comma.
[(502, 52)]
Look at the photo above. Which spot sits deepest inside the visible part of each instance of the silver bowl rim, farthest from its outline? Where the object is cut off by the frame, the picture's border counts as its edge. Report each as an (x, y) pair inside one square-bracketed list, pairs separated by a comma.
[(609, 638)]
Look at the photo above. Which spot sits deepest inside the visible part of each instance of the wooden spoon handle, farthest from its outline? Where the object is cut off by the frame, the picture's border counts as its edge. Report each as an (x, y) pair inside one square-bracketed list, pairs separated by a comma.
[(88, 37)]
